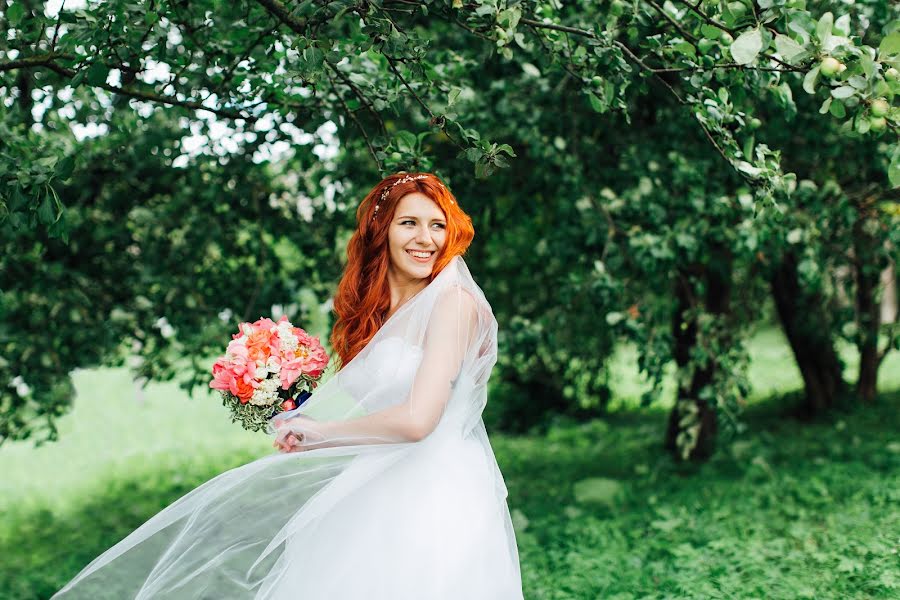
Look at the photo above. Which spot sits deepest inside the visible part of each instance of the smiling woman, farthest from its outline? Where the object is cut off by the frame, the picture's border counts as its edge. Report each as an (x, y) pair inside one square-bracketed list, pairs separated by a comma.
[(402, 215), (417, 234), (386, 472)]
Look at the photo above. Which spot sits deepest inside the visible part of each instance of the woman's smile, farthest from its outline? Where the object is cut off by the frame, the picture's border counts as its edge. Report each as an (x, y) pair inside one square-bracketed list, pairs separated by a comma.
[(422, 256)]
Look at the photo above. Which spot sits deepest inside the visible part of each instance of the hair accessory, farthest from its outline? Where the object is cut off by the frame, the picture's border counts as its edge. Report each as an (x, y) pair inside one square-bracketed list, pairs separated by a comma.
[(398, 182)]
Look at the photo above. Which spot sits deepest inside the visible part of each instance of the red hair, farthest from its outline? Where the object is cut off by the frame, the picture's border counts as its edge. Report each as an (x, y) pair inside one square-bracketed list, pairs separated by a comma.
[(363, 296)]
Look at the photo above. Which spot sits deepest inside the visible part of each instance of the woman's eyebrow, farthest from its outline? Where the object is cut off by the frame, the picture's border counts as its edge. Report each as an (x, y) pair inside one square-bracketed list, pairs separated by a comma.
[(416, 218)]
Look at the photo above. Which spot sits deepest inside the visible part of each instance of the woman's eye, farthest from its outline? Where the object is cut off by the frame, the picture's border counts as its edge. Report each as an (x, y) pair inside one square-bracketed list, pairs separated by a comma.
[(441, 225)]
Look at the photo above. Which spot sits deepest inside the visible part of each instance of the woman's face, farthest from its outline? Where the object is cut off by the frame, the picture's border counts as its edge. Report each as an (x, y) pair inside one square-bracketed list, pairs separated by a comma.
[(419, 226)]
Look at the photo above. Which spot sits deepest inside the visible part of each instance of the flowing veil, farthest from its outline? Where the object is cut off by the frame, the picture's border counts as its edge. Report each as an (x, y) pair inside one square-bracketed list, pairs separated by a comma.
[(251, 531)]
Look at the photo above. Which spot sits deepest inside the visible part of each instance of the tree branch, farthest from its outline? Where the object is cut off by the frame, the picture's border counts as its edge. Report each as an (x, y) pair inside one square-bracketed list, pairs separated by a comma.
[(637, 60), (280, 12), (359, 125), (46, 61)]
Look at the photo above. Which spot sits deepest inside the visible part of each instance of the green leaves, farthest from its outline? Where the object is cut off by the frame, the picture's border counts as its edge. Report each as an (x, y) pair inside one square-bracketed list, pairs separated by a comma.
[(809, 80), (823, 28), (787, 47), (96, 74), (488, 157), (747, 46), (15, 12), (894, 168), (890, 45)]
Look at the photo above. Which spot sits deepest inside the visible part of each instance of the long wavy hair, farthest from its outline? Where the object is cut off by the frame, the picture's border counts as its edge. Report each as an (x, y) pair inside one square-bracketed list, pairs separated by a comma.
[(363, 296)]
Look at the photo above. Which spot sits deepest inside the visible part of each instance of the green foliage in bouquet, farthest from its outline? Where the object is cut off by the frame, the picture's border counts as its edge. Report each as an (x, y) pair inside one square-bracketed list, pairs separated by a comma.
[(256, 418)]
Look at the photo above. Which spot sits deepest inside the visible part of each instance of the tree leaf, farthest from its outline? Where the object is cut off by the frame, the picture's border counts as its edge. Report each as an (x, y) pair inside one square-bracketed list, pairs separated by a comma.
[(787, 47), (823, 27), (97, 74), (834, 41), (837, 109), (15, 13), (890, 45), (845, 91), (406, 141), (842, 24), (747, 47), (894, 169), (809, 81)]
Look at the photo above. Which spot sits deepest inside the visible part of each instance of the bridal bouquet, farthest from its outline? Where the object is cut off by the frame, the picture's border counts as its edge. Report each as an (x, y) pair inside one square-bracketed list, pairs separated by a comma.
[(267, 368)]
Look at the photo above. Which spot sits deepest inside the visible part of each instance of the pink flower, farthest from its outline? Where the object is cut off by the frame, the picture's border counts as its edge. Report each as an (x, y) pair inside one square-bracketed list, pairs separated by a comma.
[(264, 323), (316, 359), (290, 371), (288, 405), (222, 376), (237, 348)]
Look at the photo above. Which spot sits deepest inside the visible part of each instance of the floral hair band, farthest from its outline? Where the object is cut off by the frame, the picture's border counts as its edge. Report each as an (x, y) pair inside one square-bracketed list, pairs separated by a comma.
[(398, 182)]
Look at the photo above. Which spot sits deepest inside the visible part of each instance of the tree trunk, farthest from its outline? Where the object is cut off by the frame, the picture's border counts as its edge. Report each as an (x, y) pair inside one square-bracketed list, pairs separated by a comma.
[(808, 333), (869, 318), (716, 301), (868, 311)]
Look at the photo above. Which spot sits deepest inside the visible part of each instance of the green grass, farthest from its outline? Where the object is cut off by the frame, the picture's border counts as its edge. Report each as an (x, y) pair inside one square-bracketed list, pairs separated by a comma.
[(789, 510), (773, 372)]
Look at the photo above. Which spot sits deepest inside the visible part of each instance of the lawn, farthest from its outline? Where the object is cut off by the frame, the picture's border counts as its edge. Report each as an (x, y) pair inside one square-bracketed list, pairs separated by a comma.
[(789, 510)]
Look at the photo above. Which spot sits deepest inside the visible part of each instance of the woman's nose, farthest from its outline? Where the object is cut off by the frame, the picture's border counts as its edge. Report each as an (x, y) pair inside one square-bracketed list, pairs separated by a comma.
[(423, 235)]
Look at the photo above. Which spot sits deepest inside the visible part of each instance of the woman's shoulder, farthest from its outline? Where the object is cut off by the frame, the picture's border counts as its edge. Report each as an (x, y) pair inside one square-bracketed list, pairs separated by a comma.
[(457, 291)]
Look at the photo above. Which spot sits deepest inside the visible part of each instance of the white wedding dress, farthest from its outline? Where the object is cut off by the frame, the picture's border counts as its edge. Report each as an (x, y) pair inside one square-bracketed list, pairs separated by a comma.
[(393, 520)]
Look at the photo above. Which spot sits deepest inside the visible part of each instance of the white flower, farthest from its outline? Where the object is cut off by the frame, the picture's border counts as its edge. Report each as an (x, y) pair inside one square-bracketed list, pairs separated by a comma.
[(261, 372), (263, 396), (273, 365), (259, 397), (226, 315), (288, 342)]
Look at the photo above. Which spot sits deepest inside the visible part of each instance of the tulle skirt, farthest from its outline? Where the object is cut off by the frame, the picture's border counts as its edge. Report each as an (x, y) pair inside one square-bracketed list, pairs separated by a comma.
[(423, 521)]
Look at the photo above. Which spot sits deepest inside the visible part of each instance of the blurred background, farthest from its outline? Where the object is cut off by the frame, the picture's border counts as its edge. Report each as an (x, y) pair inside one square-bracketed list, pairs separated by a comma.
[(686, 221)]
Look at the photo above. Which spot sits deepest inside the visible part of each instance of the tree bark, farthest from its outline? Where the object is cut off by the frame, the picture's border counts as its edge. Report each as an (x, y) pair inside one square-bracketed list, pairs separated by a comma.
[(716, 301), (868, 311), (808, 332)]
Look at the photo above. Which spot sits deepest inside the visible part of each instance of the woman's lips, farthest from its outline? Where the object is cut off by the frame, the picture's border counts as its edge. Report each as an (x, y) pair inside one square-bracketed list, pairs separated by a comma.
[(417, 259)]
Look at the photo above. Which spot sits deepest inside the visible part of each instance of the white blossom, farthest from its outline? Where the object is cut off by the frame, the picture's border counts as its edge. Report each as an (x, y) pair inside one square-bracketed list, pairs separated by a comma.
[(288, 342)]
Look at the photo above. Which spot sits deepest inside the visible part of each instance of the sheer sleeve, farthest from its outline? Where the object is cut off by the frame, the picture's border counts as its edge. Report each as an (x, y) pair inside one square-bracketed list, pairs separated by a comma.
[(450, 332)]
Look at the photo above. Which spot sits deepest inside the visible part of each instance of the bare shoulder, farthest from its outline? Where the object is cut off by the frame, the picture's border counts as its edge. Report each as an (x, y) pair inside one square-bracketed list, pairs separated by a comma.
[(456, 300)]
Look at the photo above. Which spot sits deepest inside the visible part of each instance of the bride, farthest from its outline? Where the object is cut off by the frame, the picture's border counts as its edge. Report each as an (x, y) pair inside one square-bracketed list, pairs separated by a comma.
[(385, 486)]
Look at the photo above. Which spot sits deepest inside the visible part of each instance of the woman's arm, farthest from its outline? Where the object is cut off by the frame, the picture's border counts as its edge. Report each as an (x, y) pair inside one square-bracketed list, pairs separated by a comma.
[(450, 331)]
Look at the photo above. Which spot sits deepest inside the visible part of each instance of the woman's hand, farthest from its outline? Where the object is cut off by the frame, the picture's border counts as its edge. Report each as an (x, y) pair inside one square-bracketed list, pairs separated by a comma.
[(299, 434)]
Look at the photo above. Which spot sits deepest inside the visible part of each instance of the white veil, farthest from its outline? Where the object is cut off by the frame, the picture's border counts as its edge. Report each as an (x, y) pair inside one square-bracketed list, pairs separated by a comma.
[(420, 381)]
